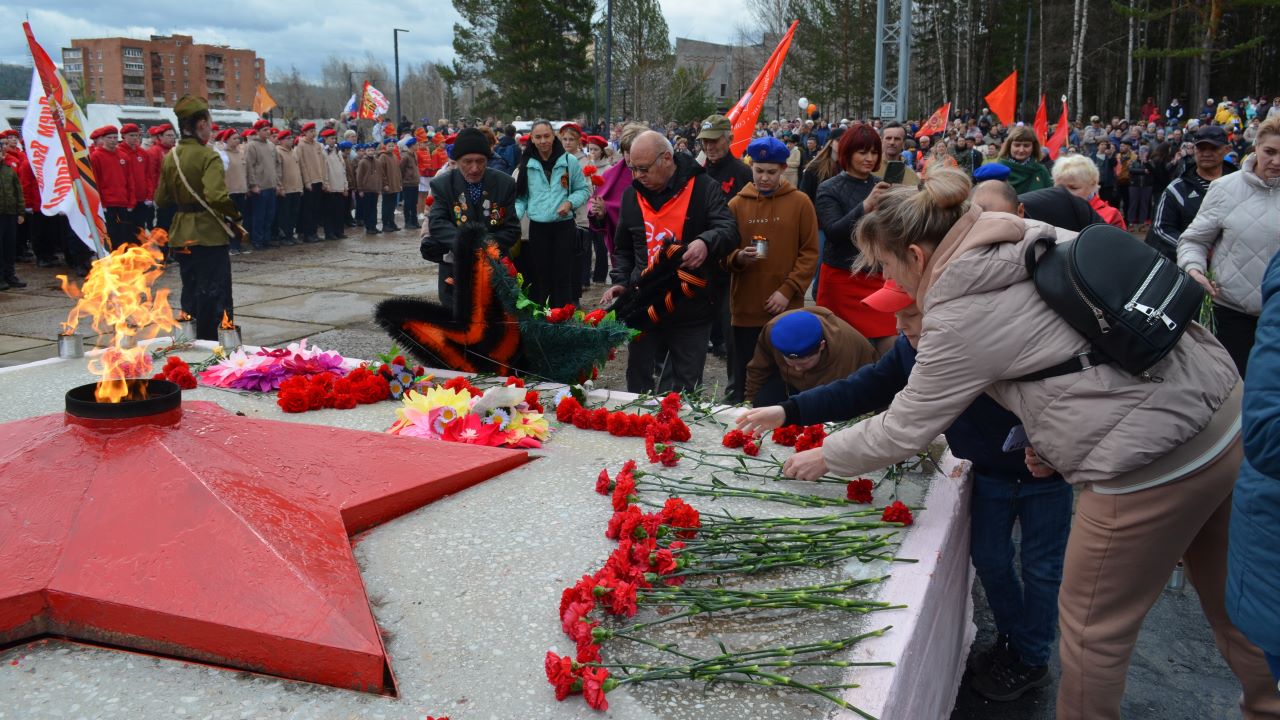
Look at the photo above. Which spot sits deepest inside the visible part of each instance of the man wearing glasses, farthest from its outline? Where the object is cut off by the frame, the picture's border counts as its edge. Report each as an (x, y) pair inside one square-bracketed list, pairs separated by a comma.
[(802, 349), (671, 201)]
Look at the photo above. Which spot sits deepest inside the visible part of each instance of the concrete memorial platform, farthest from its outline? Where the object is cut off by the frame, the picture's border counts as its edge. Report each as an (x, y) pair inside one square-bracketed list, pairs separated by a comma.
[(465, 591)]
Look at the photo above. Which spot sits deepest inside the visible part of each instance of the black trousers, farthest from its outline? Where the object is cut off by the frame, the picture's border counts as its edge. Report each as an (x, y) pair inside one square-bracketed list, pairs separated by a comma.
[(367, 211), (685, 350), (335, 210), (773, 391), (389, 210), (45, 234), (206, 286), (312, 207), (120, 226), (744, 348), (548, 262), (8, 245), (241, 201), (287, 209), (409, 197), (164, 217), (1236, 331), (144, 215)]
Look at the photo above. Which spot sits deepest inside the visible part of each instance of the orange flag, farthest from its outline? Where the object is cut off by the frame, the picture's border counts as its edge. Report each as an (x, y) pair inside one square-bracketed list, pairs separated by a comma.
[(1060, 133), (1041, 124), (262, 101), (747, 110), (936, 123), (1004, 99)]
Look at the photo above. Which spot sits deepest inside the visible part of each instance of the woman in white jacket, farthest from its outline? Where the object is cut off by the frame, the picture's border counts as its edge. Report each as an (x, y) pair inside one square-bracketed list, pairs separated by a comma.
[(1233, 238)]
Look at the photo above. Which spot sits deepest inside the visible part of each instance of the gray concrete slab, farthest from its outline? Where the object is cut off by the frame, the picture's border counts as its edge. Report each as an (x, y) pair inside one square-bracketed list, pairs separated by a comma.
[(422, 283), (305, 276), (246, 294), (274, 332), (39, 352), (323, 307), (14, 343), (14, 301)]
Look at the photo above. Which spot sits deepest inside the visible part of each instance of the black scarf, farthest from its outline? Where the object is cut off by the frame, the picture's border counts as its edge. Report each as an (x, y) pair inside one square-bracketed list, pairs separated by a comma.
[(530, 154)]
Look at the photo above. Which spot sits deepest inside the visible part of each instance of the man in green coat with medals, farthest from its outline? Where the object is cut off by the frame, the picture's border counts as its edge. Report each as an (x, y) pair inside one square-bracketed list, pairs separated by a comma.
[(193, 183)]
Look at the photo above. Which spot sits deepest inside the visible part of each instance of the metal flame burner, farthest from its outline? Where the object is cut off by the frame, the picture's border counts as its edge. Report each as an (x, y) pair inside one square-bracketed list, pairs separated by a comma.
[(162, 396)]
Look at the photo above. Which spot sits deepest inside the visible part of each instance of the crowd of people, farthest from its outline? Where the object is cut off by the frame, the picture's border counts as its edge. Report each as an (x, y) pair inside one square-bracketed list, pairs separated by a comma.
[(842, 268)]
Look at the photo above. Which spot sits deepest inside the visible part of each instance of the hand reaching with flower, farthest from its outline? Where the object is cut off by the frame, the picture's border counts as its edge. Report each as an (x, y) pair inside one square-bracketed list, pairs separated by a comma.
[(762, 419), (807, 465)]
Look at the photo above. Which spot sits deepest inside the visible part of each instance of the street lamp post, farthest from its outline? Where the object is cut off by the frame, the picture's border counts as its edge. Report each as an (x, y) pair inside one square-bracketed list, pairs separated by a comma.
[(395, 35)]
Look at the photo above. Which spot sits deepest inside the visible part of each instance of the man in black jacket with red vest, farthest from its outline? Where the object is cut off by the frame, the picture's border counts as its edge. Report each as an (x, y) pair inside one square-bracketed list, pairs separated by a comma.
[(673, 210)]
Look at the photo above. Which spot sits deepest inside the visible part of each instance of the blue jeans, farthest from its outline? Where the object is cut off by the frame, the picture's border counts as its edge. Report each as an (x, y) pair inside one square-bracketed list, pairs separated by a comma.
[(264, 211), (1273, 662), (1026, 607)]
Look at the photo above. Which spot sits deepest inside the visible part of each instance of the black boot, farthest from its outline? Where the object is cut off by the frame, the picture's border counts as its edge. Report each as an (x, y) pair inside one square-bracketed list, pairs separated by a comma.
[(1008, 678)]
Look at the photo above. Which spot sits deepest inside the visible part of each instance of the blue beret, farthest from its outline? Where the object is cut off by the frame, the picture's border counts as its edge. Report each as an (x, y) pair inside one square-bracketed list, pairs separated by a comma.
[(411, 141), (991, 171), (796, 333), (389, 140), (344, 145), (768, 150)]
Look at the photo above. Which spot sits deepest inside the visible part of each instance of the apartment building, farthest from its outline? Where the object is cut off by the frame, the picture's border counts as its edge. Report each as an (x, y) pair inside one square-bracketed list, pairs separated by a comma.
[(158, 71)]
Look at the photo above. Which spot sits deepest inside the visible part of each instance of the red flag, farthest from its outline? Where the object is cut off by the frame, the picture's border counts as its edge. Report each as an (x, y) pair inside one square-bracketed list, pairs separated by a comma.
[(1004, 98), (1060, 133), (745, 113), (70, 126), (936, 123), (1041, 124)]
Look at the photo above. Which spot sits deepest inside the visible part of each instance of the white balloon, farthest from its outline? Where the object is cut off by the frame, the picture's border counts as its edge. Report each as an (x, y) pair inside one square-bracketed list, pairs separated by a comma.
[(804, 103)]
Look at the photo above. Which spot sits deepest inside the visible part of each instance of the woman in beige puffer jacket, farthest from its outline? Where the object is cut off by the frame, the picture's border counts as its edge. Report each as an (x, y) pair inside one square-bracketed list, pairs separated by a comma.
[(1157, 460)]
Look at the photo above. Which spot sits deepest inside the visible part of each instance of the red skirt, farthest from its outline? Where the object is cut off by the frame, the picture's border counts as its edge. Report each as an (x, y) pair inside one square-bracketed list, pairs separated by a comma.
[(842, 292)]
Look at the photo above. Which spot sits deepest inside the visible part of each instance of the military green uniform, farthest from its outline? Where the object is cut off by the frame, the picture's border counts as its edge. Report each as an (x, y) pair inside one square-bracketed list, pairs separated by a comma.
[(197, 238)]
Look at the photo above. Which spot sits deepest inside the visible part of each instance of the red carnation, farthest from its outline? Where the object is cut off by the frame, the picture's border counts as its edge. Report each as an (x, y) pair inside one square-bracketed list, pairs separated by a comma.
[(582, 419), (588, 652), (668, 457), (859, 491), (588, 170), (734, 439), (430, 200), (600, 419), (786, 435), (567, 408), (604, 484), (595, 684), (897, 513), (560, 314), (344, 401), (513, 381), (624, 487), (751, 448), (292, 402), (681, 515), (561, 674), (510, 266), (533, 401), (595, 317)]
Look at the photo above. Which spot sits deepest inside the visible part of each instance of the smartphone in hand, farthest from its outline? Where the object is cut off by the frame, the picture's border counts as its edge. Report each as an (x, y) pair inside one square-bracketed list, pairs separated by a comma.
[(1017, 440), (895, 172)]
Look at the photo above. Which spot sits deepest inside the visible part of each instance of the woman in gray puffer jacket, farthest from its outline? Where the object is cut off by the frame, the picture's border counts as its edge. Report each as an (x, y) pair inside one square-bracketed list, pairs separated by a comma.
[(1238, 226), (1157, 460)]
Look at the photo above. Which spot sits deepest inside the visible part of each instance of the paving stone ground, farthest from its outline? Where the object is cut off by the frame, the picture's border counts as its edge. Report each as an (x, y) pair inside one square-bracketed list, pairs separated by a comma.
[(326, 292)]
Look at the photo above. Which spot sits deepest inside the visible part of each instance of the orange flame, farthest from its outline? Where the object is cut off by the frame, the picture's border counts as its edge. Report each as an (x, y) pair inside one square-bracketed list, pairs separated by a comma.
[(227, 324), (118, 297)]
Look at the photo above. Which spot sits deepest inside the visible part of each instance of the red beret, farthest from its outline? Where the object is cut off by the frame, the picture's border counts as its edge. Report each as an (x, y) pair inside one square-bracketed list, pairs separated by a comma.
[(104, 130), (571, 126), (451, 139), (127, 128), (160, 129), (596, 140), (284, 134), (9, 133), (259, 124), (327, 132), (307, 126), (522, 139), (247, 132)]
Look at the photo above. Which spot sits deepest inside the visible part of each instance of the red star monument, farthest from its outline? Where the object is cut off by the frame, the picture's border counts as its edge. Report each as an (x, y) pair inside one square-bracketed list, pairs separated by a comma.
[(202, 535)]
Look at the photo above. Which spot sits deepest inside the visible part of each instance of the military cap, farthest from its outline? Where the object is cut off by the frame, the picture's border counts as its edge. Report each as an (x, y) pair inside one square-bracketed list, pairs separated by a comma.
[(188, 106)]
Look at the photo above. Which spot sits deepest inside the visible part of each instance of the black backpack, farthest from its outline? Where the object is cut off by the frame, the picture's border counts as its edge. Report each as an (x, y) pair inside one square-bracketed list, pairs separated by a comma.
[(1131, 302)]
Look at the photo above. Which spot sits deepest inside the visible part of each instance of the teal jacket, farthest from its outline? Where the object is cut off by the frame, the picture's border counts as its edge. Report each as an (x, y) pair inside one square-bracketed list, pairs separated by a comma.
[(567, 183)]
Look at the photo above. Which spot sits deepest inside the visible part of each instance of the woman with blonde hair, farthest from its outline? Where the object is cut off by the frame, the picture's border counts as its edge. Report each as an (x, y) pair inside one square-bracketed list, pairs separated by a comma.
[(1157, 460), (1079, 175), (1021, 154)]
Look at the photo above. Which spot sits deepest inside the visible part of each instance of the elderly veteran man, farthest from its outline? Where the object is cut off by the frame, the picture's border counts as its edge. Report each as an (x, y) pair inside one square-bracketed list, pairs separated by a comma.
[(472, 192)]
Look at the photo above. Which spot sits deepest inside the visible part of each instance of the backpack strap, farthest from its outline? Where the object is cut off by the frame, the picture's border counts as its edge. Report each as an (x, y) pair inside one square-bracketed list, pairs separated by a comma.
[(1075, 364), (1032, 258)]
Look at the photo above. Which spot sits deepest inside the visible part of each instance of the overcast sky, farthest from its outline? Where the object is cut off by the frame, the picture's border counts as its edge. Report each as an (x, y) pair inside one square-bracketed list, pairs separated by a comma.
[(297, 33)]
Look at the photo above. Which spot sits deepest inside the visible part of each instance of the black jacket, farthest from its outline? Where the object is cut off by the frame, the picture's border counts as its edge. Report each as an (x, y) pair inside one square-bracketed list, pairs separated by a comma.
[(1177, 207), (839, 207), (708, 219), (731, 173), (500, 219)]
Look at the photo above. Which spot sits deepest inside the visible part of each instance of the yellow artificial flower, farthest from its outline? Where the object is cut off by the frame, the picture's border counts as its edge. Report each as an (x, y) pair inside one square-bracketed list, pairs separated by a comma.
[(529, 424)]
